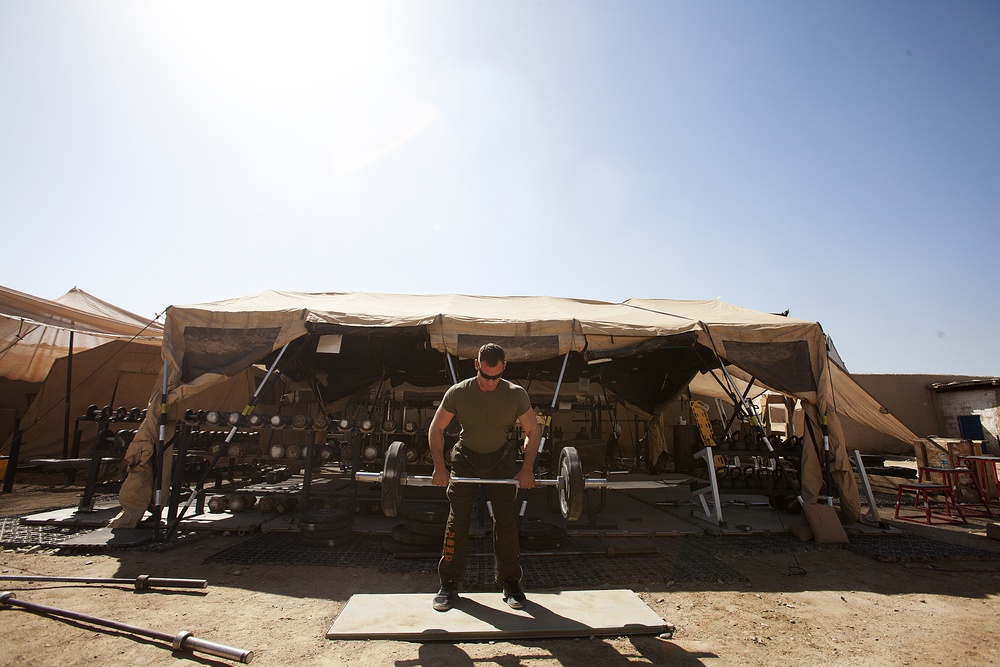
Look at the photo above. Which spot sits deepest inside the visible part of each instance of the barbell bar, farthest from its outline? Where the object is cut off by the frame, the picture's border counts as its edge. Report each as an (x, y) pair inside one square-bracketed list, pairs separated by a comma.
[(142, 582), (570, 481), (182, 641)]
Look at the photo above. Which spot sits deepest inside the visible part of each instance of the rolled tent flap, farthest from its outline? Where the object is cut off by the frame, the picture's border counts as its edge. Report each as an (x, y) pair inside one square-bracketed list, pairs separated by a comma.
[(218, 391), (840, 466)]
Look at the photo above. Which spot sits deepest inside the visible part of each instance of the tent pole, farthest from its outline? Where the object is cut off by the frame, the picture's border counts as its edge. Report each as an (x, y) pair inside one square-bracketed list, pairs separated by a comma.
[(615, 427), (15, 451), (158, 459), (251, 404), (730, 393), (825, 426), (555, 400), (562, 372), (69, 392), (451, 368)]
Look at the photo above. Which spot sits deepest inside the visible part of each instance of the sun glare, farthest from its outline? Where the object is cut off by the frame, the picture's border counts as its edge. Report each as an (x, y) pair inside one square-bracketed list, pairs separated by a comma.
[(290, 58), (376, 128), (277, 48)]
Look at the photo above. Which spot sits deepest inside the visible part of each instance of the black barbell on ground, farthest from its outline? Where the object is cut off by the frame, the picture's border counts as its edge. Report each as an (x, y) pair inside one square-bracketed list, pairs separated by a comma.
[(570, 481)]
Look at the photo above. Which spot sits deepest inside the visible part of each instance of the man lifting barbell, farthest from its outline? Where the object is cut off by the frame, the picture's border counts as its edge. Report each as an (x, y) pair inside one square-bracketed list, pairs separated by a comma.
[(487, 407)]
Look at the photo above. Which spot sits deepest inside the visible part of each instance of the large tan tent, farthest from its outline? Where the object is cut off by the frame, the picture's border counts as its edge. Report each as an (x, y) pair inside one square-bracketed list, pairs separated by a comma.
[(645, 351)]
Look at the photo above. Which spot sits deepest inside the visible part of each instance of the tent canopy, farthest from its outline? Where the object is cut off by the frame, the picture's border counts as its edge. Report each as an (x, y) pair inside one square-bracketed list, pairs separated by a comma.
[(644, 350), (34, 332), (403, 337)]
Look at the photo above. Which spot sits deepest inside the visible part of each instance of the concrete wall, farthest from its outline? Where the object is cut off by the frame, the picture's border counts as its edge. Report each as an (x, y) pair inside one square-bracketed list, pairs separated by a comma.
[(982, 401), (911, 401)]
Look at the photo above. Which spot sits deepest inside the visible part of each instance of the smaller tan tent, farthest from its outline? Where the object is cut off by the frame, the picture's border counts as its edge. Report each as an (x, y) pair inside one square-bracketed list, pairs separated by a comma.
[(117, 373), (34, 332)]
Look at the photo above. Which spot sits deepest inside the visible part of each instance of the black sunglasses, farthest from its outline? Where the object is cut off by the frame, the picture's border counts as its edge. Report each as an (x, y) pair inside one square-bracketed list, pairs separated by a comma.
[(490, 377)]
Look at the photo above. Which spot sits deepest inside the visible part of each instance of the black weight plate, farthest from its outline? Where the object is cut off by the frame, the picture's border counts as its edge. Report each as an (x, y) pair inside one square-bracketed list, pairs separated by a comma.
[(541, 545), (571, 495), (313, 526), (326, 534), (392, 478), (425, 512), (536, 529), (333, 542), (401, 534), (328, 515), (435, 530), (528, 539), (394, 547), (309, 527)]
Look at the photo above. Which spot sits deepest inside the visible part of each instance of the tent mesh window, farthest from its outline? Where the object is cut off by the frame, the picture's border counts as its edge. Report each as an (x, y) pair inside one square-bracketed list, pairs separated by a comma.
[(784, 366), (224, 350)]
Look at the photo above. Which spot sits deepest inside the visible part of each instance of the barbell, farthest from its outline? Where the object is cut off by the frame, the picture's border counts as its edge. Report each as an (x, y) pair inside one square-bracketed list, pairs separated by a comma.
[(569, 481), (182, 641), (142, 582)]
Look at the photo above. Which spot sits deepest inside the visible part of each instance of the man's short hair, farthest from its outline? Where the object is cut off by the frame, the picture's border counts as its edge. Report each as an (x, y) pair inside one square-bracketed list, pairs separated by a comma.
[(491, 354)]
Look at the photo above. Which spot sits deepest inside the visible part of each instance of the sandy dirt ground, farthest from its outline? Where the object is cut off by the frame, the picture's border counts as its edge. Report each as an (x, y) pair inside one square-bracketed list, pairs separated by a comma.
[(847, 609)]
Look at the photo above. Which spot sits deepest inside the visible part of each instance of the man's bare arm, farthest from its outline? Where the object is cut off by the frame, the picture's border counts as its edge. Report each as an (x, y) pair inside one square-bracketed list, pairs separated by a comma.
[(532, 437), (435, 442)]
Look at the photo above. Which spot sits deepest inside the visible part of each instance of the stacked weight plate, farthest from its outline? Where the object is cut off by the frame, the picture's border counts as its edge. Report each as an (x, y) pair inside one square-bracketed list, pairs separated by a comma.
[(538, 536), (327, 527), (422, 530)]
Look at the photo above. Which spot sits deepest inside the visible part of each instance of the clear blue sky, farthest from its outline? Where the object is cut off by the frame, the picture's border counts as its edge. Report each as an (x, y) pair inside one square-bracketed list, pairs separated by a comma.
[(838, 159)]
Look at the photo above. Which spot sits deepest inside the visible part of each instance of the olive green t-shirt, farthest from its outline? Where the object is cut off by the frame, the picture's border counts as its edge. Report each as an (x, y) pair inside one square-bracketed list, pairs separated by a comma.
[(487, 417)]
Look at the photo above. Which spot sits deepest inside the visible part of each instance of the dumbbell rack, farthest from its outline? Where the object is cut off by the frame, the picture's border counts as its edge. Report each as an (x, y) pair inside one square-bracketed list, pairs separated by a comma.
[(713, 514), (104, 419), (185, 434), (182, 449)]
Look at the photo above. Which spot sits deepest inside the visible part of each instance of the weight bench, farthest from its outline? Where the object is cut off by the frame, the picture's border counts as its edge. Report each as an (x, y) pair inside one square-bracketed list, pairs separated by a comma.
[(63, 464), (921, 491)]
